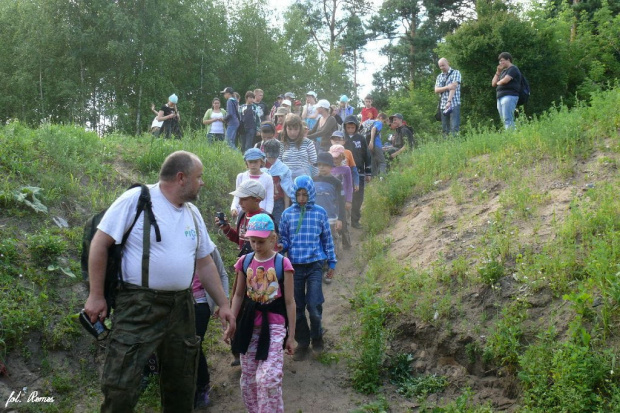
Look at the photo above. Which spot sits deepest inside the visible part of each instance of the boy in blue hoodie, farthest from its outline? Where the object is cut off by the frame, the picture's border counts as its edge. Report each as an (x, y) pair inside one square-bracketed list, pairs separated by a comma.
[(306, 236)]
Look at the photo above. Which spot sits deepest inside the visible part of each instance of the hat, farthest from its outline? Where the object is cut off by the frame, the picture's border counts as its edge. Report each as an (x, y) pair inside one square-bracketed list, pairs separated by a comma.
[(272, 148), (253, 154), (282, 111), (286, 102), (337, 134), (173, 98), (228, 90), (351, 119), (344, 98), (325, 158), (267, 127), (297, 102), (260, 226), (323, 103), (250, 188), (396, 115), (280, 97), (336, 150), (289, 95), (311, 93)]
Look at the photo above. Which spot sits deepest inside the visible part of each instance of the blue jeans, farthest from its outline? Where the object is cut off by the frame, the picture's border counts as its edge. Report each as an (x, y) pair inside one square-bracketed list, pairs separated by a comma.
[(506, 106), (308, 280), (215, 137), (231, 135), (451, 122), (278, 208), (248, 139)]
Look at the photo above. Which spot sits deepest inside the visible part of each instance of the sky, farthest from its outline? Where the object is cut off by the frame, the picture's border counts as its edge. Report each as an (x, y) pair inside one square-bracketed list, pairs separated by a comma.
[(374, 61)]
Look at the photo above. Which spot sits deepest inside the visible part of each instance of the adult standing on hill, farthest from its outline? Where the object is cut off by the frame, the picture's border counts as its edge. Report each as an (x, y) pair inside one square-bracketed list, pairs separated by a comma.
[(156, 313), (232, 116), (507, 80), (448, 86), (169, 114), (322, 130), (214, 119)]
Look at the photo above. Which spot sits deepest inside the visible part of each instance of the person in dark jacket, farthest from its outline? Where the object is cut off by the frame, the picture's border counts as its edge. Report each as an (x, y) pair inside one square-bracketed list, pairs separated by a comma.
[(232, 116), (356, 143)]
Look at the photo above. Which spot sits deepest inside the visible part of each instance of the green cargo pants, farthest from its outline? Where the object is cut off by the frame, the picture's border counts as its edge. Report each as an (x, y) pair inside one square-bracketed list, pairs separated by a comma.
[(147, 321)]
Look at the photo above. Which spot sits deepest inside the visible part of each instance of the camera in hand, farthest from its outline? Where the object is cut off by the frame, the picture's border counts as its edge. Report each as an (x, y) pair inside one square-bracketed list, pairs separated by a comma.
[(97, 329), (222, 218)]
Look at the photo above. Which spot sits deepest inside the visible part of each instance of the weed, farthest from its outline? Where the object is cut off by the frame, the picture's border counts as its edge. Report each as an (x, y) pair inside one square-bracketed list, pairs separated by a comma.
[(438, 214), (409, 385), (46, 247), (378, 406), (463, 404), (491, 271), (504, 343)]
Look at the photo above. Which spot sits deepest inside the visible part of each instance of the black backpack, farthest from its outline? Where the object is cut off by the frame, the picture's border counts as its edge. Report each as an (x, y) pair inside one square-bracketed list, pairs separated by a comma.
[(113, 275), (524, 93)]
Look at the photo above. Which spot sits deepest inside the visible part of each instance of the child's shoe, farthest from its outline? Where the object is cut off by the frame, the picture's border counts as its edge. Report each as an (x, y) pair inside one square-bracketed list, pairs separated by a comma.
[(236, 361), (318, 345), (300, 353), (201, 398), (326, 279)]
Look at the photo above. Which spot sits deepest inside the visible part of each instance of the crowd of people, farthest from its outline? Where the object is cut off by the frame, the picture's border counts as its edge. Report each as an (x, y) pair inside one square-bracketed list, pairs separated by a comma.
[(290, 216)]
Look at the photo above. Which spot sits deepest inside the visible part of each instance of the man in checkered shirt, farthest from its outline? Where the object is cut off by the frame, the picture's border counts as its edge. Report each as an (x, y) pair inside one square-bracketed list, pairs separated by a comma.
[(448, 85)]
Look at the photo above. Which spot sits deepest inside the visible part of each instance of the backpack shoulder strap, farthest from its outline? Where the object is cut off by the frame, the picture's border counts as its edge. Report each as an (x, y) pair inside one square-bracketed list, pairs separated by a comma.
[(279, 263), (246, 261)]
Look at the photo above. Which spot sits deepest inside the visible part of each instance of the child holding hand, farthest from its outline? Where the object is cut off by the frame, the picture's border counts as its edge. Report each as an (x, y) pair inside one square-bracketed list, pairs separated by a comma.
[(266, 324)]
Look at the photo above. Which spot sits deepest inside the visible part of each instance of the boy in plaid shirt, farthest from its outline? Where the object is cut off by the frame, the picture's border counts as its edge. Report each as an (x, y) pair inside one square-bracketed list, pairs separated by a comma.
[(306, 237)]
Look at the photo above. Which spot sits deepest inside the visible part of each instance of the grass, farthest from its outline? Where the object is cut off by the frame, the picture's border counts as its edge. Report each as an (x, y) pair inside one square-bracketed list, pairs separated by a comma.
[(575, 255)]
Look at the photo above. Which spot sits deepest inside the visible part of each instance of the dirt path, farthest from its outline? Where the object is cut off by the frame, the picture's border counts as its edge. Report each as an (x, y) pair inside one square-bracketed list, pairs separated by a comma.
[(309, 386)]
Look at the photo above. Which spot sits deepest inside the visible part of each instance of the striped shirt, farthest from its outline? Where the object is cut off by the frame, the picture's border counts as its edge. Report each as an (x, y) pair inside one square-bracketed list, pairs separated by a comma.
[(299, 160)]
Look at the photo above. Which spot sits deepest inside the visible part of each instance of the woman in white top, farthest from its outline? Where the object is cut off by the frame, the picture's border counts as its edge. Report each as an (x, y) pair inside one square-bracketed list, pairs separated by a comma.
[(214, 119), (309, 113)]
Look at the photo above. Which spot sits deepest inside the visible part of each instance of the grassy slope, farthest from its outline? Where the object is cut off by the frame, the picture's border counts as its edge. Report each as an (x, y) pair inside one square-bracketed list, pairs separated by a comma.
[(80, 174), (559, 363)]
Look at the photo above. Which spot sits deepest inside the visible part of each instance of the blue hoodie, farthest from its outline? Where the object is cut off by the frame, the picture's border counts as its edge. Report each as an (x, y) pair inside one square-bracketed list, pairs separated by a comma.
[(304, 231)]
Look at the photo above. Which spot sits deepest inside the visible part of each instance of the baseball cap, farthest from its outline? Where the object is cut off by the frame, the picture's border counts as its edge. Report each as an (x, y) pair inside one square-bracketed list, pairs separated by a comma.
[(325, 158), (311, 93), (297, 102), (272, 148), (338, 134), (336, 150), (286, 102), (253, 154), (323, 103), (228, 90), (396, 115), (260, 226), (344, 98), (250, 188), (282, 111), (289, 95), (173, 98), (280, 96)]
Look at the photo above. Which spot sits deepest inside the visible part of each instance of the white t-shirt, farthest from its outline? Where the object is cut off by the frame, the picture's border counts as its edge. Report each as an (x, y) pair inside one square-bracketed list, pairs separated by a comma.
[(217, 127), (171, 261), (156, 123)]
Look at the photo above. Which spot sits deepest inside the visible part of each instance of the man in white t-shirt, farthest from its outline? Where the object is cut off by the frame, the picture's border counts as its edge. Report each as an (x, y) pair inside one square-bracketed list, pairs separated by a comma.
[(157, 317)]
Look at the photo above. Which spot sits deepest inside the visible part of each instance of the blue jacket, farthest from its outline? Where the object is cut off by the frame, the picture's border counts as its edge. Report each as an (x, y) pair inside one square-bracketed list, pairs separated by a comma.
[(304, 231), (232, 112)]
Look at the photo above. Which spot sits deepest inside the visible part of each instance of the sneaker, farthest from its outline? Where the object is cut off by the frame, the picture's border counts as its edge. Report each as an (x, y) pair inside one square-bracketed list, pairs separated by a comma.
[(236, 361), (326, 280), (318, 345), (201, 399), (300, 353), (356, 225)]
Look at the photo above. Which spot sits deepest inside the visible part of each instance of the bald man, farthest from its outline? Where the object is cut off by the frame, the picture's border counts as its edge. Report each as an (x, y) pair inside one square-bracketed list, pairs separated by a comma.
[(448, 86)]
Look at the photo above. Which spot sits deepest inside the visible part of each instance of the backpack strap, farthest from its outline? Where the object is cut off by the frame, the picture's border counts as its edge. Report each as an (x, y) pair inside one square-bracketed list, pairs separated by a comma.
[(246, 262), (197, 239), (279, 264)]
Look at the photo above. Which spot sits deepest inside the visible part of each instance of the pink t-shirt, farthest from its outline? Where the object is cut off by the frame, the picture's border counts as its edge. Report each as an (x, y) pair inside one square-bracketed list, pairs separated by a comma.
[(261, 284)]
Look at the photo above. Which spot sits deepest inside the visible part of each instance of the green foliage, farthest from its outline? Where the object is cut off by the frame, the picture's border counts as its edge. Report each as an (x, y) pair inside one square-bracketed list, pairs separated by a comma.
[(409, 385), (491, 271), (566, 376), (378, 406), (368, 348), (504, 343), (463, 404), (46, 247)]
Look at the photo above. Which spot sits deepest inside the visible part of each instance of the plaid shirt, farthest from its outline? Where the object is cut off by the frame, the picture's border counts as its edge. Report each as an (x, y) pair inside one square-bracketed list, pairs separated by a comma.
[(310, 240), (444, 79)]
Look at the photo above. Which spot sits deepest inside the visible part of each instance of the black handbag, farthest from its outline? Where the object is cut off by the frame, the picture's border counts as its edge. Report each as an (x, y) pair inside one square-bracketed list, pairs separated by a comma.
[(438, 113)]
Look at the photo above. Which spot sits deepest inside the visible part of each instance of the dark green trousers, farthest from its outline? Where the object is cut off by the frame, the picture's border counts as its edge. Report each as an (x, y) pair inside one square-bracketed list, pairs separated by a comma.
[(148, 321)]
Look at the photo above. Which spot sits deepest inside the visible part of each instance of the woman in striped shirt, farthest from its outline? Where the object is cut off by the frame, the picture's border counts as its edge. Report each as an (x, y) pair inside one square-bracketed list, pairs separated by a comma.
[(298, 152)]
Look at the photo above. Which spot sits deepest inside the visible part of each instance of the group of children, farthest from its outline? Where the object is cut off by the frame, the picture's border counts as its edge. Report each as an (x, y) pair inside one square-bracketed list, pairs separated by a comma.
[(290, 201)]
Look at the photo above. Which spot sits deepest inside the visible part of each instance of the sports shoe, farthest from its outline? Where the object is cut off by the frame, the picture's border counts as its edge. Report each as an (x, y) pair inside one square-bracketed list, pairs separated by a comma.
[(318, 345), (356, 225), (201, 399), (300, 353), (236, 361), (326, 280)]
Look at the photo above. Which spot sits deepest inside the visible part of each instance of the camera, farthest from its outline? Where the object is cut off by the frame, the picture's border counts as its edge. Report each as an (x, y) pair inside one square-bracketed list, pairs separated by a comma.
[(222, 218), (97, 329)]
